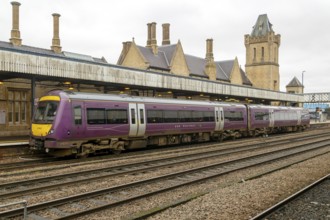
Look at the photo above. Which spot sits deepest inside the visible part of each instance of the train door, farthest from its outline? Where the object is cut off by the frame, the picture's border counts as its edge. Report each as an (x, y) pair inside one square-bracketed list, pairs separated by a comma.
[(219, 118), (271, 118), (78, 119), (137, 119)]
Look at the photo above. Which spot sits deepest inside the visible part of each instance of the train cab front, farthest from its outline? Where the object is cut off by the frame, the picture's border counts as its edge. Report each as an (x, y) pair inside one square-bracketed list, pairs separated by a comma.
[(42, 129)]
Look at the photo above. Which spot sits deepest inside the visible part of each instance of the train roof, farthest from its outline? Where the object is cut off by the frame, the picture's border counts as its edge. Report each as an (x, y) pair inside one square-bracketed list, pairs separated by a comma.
[(272, 107), (128, 98)]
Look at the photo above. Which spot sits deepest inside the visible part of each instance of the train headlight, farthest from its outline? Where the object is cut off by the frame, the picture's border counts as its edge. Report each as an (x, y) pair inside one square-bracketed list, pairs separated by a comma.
[(51, 131)]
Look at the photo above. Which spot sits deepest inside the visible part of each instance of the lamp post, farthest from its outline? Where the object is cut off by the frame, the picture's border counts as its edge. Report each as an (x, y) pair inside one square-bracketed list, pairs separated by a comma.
[(302, 77)]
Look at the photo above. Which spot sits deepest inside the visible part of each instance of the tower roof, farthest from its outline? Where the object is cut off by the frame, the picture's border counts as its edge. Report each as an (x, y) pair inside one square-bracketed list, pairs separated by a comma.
[(262, 26), (295, 83)]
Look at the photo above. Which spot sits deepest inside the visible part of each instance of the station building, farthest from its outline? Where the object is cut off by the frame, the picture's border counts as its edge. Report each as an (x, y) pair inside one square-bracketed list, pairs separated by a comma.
[(17, 90)]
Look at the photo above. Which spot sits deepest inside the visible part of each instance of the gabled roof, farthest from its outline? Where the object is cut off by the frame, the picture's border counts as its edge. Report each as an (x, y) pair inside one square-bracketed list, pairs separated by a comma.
[(262, 26), (246, 80), (168, 50), (224, 69), (295, 83), (196, 65), (159, 61)]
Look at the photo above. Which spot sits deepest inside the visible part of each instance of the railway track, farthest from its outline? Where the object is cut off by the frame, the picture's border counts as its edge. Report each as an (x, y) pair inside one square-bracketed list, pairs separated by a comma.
[(51, 162), (45, 183), (161, 183), (309, 203)]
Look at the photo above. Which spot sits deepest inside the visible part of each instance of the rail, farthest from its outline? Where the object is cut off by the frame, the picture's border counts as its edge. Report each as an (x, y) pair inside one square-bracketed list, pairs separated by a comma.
[(24, 203)]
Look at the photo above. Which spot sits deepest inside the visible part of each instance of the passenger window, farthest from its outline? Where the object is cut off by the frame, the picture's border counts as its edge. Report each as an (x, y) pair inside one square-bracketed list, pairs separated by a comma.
[(155, 116), (117, 116), (234, 116), (96, 116), (77, 115), (170, 116)]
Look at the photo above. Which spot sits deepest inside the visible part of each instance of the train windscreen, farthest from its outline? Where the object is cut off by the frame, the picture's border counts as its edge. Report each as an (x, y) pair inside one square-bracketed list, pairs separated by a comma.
[(45, 112)]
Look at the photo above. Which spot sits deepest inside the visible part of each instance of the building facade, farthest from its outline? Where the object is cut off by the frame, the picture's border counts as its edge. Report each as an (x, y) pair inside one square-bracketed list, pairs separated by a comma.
[(262, 55), (170, 58)]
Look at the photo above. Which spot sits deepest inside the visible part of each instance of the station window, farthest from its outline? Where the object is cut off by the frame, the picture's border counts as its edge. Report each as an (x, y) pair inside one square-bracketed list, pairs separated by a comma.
[(17, 107)]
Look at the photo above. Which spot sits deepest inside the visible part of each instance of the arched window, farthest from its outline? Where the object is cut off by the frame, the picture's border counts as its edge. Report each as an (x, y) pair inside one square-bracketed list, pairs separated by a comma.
[(254, 53), (262, 53)]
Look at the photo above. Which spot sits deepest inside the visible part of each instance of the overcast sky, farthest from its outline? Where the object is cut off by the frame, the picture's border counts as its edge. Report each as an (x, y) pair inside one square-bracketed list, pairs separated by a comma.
[(98, 28)]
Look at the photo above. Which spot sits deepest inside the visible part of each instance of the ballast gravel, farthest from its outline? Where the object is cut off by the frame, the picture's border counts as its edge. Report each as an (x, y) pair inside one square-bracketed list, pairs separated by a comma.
[(247, 199)]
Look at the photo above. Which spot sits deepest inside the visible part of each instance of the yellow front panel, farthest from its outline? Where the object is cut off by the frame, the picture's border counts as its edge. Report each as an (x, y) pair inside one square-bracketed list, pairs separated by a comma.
[(50, 98), (40, 129)]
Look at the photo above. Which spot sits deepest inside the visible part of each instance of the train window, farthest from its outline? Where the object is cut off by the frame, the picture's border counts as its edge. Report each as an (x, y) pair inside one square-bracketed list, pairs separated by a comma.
[(170, 116), (117, 116), (185, 116), (141, 116), (234, 116), (208, 116), (262, 116), (197, 116), (155, 116), (45, 112), (77, 115), (132, 115), (95, 115)]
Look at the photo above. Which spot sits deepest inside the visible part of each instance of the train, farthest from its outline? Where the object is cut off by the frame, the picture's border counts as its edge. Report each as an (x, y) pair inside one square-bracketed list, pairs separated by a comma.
[(67, 123)]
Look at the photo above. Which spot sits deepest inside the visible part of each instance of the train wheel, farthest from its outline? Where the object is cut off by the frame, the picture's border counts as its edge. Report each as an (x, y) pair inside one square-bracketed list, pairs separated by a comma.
[(118, 147), (81, 156), (220, 138), (116, 152)]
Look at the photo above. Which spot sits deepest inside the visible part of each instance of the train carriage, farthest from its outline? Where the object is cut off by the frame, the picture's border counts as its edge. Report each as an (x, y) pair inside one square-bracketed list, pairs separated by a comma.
[(271, 119), (71, 123)]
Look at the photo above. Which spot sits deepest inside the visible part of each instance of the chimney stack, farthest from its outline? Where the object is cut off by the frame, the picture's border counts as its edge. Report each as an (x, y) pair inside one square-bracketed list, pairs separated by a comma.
[(210, 67), (209, 50), (56, 42), (126, 46), (166, 34), (149, 35), (15, 33), (152, 42)]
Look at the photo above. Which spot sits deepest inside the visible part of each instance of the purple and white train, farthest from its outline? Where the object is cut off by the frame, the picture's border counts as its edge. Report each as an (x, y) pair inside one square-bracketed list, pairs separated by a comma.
[(77, 124)]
